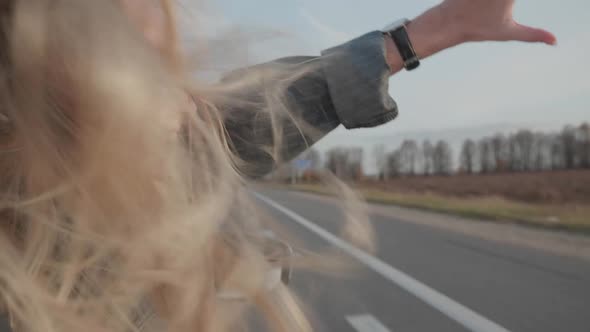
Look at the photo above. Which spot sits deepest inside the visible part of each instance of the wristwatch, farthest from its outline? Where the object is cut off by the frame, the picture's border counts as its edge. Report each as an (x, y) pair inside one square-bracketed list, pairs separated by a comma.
[(399, 34)]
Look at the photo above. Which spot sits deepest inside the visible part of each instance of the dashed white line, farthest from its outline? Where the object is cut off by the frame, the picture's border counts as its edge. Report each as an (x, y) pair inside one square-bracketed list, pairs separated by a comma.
[(366, 323), (468, 318)]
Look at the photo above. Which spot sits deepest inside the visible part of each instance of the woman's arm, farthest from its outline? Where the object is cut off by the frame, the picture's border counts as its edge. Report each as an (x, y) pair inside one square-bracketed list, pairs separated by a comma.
[(348, 84), (455, 22), (282, 107)]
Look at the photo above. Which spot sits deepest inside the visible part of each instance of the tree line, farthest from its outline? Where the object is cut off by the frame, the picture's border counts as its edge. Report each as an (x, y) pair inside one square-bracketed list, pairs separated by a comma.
[(521, 151), (528, 151)]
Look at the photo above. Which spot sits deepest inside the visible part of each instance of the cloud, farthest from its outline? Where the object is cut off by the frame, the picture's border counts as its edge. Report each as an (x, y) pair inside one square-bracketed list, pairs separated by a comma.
[(330, 35), (508, 85), (219, 43), (508, 82)]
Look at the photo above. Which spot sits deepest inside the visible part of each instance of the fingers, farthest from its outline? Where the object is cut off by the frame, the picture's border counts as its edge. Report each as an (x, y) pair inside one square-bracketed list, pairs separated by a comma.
[(524, 33)]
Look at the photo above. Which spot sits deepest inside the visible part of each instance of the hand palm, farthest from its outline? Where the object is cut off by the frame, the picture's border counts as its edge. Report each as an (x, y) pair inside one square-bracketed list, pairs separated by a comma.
[(493, 20)]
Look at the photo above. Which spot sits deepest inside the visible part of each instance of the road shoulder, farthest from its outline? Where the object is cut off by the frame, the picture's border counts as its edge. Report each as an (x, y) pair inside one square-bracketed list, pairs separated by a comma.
[(551, 241)]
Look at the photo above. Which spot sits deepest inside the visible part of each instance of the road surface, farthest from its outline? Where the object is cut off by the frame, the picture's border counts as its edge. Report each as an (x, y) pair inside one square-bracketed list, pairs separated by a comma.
[(426, 278), (429, 279)]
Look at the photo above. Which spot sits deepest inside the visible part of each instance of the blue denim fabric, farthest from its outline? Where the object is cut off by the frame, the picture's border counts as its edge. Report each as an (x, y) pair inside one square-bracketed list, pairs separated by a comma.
[(358, 79), (347, 84)]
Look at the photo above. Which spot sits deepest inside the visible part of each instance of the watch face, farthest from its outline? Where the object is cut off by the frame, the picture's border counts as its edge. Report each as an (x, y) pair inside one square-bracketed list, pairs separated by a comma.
[(395, 25)]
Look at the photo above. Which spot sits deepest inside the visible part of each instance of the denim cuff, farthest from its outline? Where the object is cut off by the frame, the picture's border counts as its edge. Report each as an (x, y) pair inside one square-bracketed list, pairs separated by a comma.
[(358, 80)]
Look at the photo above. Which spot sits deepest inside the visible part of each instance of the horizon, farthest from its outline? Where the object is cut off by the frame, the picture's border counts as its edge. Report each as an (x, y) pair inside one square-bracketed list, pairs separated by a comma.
[(475, 85), (453, 136)]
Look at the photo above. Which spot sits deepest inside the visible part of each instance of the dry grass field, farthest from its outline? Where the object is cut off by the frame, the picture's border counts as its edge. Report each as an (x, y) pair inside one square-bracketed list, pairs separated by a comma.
[(557, 200), (559, 187)]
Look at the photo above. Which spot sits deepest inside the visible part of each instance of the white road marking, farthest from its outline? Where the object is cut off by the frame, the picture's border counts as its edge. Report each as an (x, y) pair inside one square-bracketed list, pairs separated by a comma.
[(366, 323), (468, 318)]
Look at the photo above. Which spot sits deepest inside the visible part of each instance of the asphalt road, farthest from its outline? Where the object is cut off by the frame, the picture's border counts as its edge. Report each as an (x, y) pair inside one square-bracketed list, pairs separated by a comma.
[(428, 279), (454, 282)]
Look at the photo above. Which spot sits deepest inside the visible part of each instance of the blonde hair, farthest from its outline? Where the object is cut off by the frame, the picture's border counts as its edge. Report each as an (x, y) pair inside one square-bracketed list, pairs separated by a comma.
[(110, 200)]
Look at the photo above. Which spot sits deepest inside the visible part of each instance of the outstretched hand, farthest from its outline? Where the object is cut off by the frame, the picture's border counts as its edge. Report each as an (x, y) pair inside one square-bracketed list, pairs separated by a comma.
[(454, 22), (490, 20)]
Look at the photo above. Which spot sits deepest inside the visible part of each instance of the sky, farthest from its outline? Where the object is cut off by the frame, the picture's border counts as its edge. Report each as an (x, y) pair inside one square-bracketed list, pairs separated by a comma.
[(468, 86)]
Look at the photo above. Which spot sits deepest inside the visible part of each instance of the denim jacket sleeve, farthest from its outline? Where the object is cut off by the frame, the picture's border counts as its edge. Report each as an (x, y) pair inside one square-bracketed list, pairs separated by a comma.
[(347, 85)]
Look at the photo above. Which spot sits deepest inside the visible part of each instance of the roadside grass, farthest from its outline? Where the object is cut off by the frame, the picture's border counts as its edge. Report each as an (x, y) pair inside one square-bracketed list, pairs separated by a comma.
[(570, 217)]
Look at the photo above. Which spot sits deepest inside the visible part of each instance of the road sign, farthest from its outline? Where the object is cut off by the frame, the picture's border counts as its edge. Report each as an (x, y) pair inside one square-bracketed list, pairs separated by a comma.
[(302, 164)]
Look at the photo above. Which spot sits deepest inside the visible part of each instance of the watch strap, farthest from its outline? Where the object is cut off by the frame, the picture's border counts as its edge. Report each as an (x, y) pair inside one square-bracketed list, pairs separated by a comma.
[(402, 41)]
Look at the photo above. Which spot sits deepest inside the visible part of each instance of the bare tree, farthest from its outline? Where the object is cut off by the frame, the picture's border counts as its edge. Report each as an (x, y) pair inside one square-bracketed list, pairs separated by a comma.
[(380, 161), (468, 156), (557, 161), (583, 145), (486, 159), (499, 152), (409, 155), (442, 158), (427, 155), (356, 163), (335, 161), (514, 162), (525, 140), (568, 141), (345, 163), (542, 152), (394, 163)]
